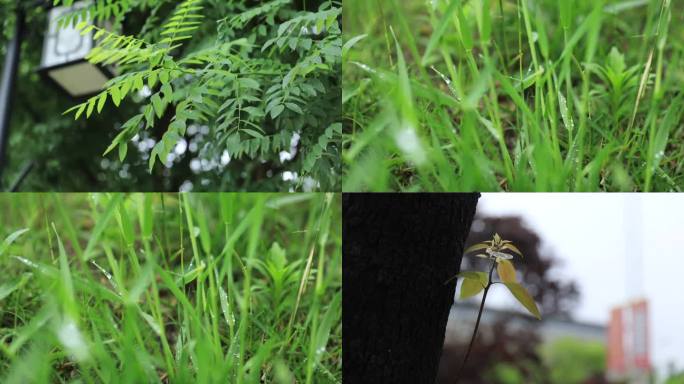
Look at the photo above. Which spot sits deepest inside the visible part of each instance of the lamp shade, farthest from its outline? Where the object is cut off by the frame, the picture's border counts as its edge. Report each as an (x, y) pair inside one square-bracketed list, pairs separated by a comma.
[(64, 51)]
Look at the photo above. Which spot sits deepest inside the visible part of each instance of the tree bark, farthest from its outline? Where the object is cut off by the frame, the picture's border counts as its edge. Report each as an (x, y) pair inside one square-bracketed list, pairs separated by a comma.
[(398, 251)]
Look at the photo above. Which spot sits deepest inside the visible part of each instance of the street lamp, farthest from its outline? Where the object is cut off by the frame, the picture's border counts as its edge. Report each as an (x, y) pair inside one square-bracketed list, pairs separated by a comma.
[(63, 62), (64, 52)]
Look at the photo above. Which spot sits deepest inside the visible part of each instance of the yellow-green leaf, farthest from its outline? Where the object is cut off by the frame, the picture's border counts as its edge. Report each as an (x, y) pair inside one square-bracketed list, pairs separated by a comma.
[(506, 271), (524, 298), (91, 105), (101, 101), (470, 287), (158, 105), (476, 247), (152, 80), (116, 95), (479, 276), (512, 248)]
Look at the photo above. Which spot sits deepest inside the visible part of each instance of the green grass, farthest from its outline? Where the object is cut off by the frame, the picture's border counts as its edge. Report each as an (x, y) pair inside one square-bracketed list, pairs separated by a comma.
[(178, 288), (517, 95)]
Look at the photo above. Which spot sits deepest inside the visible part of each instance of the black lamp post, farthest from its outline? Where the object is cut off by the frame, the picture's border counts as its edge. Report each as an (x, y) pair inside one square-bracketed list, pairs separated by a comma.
[(63, 62), (9, 75)]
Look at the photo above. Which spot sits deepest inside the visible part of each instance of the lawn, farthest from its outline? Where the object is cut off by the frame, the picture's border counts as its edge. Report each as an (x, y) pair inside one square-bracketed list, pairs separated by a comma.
[(513, 95), (170, 288)]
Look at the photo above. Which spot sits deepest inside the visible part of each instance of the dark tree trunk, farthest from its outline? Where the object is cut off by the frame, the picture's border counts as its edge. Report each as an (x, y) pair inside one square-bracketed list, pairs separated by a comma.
[(398, 251)]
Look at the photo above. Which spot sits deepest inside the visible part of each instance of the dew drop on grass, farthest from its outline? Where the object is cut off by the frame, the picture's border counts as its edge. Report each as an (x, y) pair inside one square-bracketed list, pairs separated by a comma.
[(72, 340), (107, 275), (225, 307), (27, 262), (565, 115), (447, 81), (364, 67)]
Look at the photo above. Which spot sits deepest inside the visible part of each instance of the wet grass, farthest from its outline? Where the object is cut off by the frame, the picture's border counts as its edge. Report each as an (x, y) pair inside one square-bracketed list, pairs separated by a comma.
[(201, 288), (516, 95)]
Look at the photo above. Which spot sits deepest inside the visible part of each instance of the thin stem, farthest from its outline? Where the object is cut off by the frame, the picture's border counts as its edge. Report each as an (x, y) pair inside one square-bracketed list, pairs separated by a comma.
[(477, 322)]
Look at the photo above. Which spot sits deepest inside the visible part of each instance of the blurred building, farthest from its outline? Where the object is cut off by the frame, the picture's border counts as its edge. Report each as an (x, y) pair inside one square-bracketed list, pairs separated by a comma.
[(628, 343), (550, 329)]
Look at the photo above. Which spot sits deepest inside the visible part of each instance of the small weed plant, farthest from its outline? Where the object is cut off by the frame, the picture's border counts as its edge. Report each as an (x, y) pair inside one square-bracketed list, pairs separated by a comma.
[(500, 252)]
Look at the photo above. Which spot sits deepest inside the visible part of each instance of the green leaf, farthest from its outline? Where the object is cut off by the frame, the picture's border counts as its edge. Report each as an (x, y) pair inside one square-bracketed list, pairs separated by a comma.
[(65, 273), (252, 133), (246, 82), (167, 90), (151, 322), (466, 28), (87, 30), (91, 105), (10, 239), (101, 225), (616, 61), (565, 8), (294, 108), (8, 288), (123, 149), (512, 248), (81, 108), (565, 113), (164, 77), (524, 298), (439, 31), (506, 271), (149, 116), (470, 287), (158, 105), (101, 101), (152, 80), (225, 308), (277, 110), (178, 125), (543, 40), (116, 95), (482, 277), (153, 156), (330, 318), (486, 20), (147, 216), (350, 43), (138, 82), (476, 247)]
